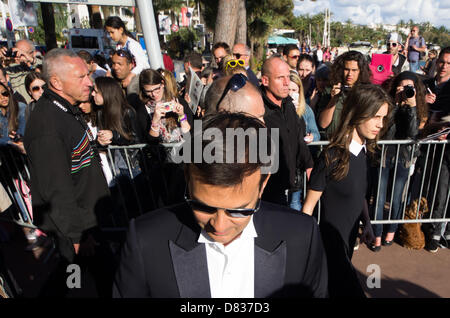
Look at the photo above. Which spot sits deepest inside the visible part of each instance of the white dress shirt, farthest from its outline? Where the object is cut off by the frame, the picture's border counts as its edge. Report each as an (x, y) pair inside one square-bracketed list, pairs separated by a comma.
[(231, 268)]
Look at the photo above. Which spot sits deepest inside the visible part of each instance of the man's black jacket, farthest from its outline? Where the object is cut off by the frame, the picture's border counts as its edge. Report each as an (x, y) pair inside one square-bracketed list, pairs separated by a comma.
[(68, 187), (294, 152)]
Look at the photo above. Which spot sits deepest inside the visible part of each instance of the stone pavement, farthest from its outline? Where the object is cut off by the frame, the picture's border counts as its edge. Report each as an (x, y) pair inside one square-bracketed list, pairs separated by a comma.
[(405, 273)]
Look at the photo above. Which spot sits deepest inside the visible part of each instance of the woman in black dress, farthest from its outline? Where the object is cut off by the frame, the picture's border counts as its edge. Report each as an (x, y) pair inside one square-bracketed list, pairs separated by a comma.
[(339, 179)]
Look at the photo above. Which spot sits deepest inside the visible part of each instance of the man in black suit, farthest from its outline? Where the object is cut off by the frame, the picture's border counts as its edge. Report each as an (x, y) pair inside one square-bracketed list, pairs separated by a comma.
[(243, 52), (223, 241)]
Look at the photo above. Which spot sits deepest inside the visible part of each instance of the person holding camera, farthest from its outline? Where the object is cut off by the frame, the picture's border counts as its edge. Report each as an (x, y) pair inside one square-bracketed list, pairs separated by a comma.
[(12, 119), (408, 117), (167, 117), (22, 59), (349, 69)]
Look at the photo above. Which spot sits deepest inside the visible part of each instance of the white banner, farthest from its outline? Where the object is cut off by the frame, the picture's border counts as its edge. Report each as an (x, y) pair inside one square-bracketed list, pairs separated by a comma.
[(22, 13), (164, 24)]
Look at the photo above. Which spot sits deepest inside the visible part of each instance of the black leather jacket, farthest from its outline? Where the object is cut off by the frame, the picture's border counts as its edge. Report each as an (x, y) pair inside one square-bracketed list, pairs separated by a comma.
[(404, 125)]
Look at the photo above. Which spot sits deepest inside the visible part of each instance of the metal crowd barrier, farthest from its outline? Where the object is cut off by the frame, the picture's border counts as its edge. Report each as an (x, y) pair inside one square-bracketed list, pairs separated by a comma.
[(432, 151), (15, 176), (148, 189)]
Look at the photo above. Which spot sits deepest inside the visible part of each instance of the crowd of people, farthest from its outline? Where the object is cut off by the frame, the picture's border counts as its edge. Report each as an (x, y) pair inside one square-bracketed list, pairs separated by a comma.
[(62, 111)]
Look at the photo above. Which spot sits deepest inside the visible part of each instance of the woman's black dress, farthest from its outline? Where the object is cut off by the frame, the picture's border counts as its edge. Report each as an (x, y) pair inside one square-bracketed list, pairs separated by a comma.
[(341, 206)]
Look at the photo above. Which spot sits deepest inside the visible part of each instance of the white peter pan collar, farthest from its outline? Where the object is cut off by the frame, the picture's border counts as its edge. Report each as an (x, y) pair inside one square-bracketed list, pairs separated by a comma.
[(355, 147)]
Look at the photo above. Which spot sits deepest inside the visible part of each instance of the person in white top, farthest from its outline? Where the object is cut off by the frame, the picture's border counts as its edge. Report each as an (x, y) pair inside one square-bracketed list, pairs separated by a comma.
[(116, 29), (319, 54)]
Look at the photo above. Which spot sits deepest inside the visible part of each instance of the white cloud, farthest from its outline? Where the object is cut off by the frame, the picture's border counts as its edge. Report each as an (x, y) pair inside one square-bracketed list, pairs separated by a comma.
[(380, 11)]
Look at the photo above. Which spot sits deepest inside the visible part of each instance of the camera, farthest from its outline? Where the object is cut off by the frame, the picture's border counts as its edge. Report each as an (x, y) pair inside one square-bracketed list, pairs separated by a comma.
[(408, 91), (17, 138), (345, 89), (10, 53)]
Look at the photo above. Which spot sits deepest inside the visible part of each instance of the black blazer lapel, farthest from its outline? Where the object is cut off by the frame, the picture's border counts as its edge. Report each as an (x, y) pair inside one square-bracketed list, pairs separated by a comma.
[(270, 257), (270, 270), (190, 265)]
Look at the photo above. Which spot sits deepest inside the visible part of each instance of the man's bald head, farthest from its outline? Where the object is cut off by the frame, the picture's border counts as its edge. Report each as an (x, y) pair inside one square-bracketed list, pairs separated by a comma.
[(247, 99)]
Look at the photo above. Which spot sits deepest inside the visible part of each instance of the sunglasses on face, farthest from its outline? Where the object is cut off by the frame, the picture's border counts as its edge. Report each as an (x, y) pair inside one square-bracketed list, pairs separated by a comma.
[(294, 57), (238, 55), (392, 44), (234, 63), (234, 213), (37, 88), (5, 94), (236, 82)]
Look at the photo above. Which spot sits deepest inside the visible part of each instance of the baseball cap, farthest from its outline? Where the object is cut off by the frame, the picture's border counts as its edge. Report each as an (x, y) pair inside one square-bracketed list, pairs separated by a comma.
[(394, 36)]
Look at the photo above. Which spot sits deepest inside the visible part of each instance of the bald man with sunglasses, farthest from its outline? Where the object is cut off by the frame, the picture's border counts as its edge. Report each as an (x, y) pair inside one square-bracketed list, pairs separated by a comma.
[(223, 241)]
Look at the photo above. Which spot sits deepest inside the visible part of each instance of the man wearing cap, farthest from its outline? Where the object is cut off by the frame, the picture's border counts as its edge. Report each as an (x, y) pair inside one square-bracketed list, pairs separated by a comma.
[(399, 61)]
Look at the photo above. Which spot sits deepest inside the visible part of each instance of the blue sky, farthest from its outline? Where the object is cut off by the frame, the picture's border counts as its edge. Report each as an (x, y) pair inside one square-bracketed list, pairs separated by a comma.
[(380, 11)]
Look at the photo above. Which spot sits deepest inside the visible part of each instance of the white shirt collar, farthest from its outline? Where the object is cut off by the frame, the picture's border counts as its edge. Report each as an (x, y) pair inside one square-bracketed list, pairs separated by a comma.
[(355, 147), (249, 232)]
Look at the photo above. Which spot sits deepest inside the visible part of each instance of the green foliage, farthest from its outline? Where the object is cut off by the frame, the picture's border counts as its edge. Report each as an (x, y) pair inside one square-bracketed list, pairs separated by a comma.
[(181, 41), (345, 33), (61, 15)]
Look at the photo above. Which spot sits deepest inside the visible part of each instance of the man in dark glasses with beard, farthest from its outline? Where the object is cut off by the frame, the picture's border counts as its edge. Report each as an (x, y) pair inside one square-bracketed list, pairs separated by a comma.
[(223, 241)]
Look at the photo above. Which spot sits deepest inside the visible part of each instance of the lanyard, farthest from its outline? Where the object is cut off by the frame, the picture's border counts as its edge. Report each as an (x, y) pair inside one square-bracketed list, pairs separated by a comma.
[(82, 123)]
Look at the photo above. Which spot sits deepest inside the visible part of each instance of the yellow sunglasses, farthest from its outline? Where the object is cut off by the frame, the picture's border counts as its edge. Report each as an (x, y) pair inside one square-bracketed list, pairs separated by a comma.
[(234, 63)]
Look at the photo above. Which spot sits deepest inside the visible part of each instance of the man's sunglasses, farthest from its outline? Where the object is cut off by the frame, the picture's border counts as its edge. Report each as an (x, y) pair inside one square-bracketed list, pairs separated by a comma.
[(234, 213), (392, 44), (238, 55), (236, 82), (294, 56), (234, 63), (124, 53)]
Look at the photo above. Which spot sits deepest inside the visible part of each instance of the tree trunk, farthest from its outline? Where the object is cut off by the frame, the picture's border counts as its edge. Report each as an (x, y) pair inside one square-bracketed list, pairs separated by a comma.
[(48, 19), (137, 20), (95, 17), (225, 30), (241, 27), (107, 11)]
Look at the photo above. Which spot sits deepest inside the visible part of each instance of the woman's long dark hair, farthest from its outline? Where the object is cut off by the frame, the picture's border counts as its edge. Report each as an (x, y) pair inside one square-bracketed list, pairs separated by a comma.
[(362, 103), (421, 105), (114, 107), (12, 110), (117, 23), (337, 68)]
